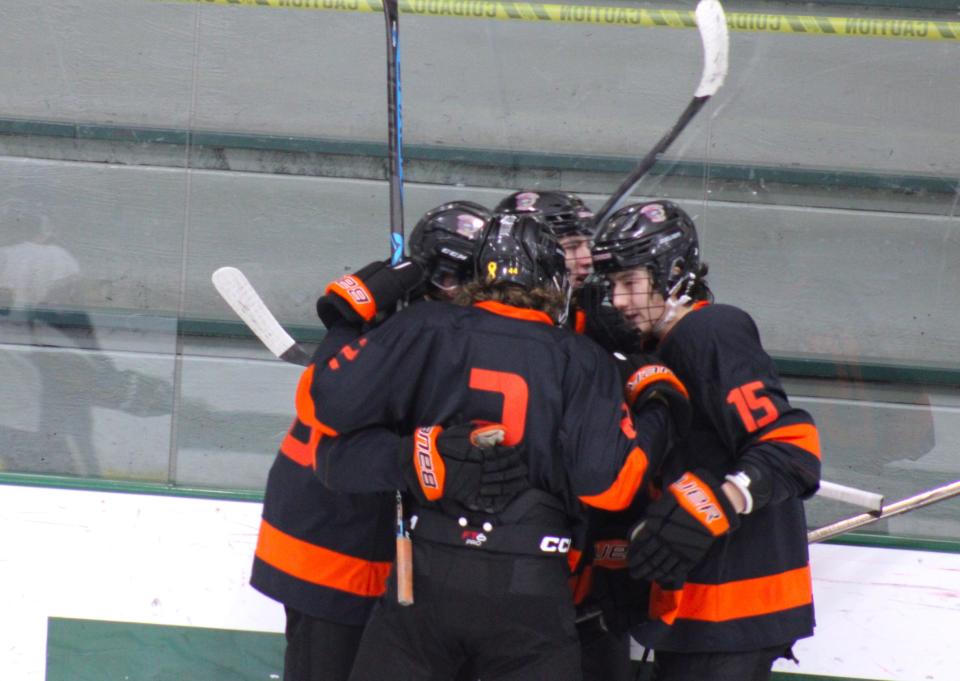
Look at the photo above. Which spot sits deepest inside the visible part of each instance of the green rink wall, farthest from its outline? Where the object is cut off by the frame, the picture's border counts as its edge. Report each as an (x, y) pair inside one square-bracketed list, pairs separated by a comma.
[(90, 650)]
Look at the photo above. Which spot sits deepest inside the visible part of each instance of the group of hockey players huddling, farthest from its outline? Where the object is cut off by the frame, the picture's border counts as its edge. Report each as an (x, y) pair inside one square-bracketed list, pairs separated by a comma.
[(588, 447)]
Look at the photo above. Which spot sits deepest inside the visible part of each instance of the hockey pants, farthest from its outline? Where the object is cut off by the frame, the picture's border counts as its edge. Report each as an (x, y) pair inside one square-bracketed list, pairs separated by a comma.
[(509, 617)]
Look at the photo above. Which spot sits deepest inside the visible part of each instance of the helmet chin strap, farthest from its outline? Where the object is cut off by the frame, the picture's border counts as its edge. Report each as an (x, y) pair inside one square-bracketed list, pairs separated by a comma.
[(677, 298), (567, 291)]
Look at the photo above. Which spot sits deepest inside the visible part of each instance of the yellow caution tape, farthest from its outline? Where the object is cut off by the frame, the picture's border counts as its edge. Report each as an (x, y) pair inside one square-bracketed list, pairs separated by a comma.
[(860, 27)]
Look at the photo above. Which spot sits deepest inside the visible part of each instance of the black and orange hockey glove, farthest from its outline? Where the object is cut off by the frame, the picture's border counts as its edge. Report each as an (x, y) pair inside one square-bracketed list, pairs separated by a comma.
[(649, 379), (679, 528), (463, 463), (377, 288)]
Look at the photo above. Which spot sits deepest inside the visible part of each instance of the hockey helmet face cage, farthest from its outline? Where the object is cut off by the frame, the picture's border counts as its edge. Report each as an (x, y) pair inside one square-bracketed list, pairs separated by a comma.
[(657, 235), (566, 214), (521, 249), (444, 242)]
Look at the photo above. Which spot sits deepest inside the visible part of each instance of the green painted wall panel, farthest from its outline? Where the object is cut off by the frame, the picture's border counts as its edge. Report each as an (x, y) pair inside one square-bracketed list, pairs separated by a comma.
[(90, 650)]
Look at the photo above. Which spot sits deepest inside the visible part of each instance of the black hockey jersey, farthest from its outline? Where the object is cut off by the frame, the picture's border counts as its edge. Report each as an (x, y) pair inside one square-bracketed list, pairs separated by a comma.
[(437, 363), (323, 553), (753, 589)]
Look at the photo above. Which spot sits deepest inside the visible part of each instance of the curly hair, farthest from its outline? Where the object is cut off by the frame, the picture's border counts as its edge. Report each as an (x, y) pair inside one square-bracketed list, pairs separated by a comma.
[(546, 300)]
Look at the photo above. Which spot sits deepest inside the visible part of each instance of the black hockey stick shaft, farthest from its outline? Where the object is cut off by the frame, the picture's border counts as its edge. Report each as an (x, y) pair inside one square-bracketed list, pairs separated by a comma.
[(391, 13), (712, 25), (622, 193)]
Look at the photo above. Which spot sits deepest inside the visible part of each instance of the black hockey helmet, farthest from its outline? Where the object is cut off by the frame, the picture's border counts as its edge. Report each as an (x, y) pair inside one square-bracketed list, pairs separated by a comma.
[(444, 241), (521, 249), (566, 214), (658, 235)]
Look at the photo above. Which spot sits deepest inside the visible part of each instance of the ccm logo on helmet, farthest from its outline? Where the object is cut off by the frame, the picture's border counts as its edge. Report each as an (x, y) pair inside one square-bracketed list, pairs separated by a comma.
[(555, 544)]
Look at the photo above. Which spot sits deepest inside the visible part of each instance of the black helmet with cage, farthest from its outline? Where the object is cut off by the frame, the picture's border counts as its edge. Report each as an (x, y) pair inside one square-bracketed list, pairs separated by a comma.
[(658, 235), (444, 242), (522, 250), (566, 214)]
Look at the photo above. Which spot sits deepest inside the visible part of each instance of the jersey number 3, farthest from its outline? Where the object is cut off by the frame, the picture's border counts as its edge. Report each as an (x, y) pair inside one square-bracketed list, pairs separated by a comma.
[(755, 410), (515, 395)]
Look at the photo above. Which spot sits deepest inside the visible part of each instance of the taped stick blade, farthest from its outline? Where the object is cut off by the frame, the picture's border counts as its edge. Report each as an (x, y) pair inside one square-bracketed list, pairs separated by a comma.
[(488, 436), (871, 501), (240, 295), (712, 24)]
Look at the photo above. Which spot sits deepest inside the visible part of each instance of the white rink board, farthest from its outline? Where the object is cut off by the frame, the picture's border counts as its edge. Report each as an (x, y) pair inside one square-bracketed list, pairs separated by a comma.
[(124, 558), (882, 614)]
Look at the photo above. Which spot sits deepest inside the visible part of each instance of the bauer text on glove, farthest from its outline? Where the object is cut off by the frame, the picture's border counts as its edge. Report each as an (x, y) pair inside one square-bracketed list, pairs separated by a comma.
[(680, 527), (377, 288)]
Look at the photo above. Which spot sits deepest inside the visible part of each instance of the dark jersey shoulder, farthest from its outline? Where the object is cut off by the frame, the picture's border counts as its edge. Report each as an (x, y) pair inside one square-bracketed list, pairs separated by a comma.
[(431, 317), (713, 331)]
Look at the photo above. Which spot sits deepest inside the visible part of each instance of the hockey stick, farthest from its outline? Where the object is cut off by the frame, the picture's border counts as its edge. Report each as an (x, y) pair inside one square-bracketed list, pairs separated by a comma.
[(850, 495), (931, 496), (395, 129), (240, 295), (712, 24), (391, 13)]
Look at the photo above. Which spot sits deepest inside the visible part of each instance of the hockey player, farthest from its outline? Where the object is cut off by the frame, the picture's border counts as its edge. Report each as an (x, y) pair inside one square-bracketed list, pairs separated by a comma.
[(604, 635), (444, 244), (726, 542), (490, 587), (325, 555), (570, 220)]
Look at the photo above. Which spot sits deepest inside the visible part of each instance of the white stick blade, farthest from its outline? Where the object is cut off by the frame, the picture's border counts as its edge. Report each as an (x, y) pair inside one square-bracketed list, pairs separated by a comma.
[(712, 23), (244, 300), (851, 495)]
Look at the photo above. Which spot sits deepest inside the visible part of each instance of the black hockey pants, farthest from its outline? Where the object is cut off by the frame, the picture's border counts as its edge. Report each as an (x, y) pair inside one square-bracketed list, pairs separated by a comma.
[(510, 617)]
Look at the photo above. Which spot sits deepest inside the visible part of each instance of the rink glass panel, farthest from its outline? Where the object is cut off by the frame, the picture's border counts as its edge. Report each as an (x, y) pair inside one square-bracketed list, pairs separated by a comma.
[(143, 144)]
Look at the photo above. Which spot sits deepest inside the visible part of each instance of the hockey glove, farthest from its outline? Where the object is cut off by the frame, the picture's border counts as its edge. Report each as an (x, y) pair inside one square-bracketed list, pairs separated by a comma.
[(464, 463), (679, 528), (376, 288), (649, 379)]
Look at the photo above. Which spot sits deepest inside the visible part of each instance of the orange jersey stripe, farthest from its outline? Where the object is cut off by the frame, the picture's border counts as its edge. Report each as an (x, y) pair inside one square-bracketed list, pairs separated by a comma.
[(802, 435), (573, 559), (619, 495), (318, 565), (300, 452), (581, 585), (306, 412), (523, 313), (733, 600)]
